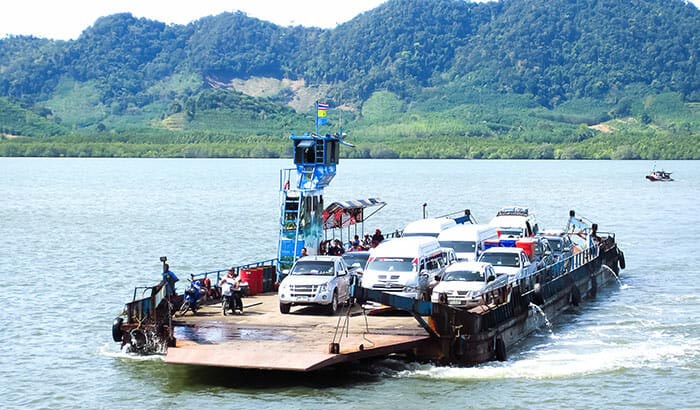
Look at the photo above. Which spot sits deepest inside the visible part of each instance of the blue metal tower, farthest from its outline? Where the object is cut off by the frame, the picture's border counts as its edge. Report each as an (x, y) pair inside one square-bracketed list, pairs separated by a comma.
[(301, 195)]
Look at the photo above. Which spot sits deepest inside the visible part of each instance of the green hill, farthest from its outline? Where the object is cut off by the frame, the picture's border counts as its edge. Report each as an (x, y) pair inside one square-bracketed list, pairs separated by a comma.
[(514, 78)]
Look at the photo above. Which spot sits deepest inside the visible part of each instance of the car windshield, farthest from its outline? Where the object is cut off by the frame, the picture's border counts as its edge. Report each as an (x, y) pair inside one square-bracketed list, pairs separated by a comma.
[(501, 259), (555, 244), (431, 234), (506, 232), (463, 276), (459, 246), (322, 268), (391, 265), (353, 257)]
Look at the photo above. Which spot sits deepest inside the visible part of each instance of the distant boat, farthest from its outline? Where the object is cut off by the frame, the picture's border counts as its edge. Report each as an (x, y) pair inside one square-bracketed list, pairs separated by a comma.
[(659, 176)]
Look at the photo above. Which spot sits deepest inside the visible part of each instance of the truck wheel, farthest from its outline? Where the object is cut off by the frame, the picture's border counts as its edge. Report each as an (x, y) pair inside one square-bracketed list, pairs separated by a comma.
[(284, 307), (333, 306)]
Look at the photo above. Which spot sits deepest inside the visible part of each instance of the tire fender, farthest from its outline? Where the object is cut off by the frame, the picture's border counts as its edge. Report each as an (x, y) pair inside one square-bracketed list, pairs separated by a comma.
[(117, 329), (138, 339), (500, 348), (537, 297), (459, 347), (621, 259), (594, 287), (575, 295)]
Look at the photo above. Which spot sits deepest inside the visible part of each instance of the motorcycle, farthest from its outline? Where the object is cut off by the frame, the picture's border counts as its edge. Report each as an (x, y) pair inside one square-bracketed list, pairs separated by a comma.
[(231, 299), (191, 298)]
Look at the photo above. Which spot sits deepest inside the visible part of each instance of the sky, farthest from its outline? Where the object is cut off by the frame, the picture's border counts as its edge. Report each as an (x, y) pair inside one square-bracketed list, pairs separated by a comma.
[(66, 19)]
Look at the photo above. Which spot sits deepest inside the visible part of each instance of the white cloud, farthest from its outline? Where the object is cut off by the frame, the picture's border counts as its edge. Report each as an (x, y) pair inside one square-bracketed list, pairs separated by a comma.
[(66, 19)]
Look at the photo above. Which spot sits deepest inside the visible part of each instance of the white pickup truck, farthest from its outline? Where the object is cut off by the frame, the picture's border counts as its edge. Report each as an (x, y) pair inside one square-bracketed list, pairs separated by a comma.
[(316, 280), (513, 262)]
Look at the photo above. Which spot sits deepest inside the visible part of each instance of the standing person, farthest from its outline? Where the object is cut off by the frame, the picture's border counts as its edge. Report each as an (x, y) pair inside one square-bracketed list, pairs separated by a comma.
[(339, 245), (336, 248), (377, 238), (304, 252), (236, 292), (227, 284), (209, 291), (169, 280)]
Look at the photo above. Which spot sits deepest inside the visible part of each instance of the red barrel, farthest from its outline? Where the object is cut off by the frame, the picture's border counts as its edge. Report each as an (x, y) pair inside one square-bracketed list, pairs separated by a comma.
[(247, 276), (257, 279)]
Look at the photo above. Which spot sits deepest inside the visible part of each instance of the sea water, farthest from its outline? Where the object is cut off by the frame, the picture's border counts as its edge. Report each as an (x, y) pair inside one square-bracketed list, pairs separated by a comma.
[(77, 235)]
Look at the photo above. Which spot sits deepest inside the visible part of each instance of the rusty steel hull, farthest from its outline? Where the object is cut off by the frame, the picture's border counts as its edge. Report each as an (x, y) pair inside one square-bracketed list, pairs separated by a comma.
[(487, 332)]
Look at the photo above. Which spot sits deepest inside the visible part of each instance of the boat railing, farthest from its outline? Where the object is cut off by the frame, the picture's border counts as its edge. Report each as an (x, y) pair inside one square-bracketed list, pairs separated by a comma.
[(289, 178), (220, 273), (559, 268), (145, 308)]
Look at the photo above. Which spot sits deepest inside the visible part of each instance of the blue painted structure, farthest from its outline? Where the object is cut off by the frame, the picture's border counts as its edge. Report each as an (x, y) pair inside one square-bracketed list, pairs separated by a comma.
[(301, 195)]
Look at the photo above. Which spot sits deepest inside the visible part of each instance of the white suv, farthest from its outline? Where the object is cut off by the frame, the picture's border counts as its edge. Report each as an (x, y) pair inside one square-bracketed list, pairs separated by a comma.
[(315, 280)]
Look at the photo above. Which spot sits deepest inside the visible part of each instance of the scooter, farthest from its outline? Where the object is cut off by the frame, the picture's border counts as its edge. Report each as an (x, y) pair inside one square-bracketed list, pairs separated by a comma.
[(232, 302), (191, 298)]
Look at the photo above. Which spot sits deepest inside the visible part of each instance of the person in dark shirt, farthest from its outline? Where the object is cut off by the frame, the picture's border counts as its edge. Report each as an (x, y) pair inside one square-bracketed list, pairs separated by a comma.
[(377, 238), (169, 280), (336, 248)]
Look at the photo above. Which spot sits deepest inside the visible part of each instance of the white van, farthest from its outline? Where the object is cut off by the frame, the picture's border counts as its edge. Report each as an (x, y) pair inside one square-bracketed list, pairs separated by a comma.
[(428, 227), (467, 240), (515, 222), (405, 265)]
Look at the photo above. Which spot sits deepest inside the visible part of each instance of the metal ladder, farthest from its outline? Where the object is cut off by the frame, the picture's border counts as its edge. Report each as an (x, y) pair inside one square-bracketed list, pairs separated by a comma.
[(290, 218)]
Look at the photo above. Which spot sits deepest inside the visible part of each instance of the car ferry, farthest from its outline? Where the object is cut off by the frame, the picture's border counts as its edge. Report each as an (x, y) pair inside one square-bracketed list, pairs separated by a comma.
[(430, 330)]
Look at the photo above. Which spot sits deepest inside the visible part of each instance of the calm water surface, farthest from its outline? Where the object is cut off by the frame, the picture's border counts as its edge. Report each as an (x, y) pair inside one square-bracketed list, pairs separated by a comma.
[(76, 235)]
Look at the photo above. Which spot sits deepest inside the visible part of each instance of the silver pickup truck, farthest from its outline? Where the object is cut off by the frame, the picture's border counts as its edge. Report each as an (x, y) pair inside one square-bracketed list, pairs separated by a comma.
[(316, 280)]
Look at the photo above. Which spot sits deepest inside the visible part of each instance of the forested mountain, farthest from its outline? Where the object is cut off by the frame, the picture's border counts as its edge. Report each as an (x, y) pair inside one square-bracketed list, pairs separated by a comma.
[(425, 59)]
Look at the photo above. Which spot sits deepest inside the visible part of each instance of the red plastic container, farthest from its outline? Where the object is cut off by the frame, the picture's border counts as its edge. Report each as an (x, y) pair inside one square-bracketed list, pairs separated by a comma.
[(247, 276), (528, 245), (256, 279)]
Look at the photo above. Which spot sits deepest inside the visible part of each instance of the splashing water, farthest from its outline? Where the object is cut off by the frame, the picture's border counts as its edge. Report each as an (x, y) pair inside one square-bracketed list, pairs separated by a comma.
[(539, 311), (615, 275)]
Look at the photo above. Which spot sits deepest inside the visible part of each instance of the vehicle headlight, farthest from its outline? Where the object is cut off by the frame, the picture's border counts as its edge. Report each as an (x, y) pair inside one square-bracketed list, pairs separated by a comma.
[(323, 288), (410, 289)]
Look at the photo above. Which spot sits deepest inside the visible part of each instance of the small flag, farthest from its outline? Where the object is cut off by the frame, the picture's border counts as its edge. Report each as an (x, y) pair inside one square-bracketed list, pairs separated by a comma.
[(321, 108)]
